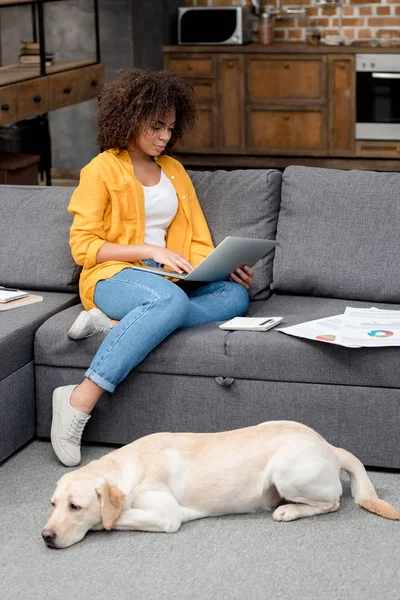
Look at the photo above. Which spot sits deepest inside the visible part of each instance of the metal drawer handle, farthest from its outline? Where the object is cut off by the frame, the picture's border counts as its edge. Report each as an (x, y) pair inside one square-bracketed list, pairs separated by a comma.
[(37, 98), (4, 107), (224, 381), (67, 90)]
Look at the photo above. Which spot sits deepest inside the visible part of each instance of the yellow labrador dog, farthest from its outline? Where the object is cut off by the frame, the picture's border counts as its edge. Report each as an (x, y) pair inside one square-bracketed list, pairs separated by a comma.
[(162, 480)]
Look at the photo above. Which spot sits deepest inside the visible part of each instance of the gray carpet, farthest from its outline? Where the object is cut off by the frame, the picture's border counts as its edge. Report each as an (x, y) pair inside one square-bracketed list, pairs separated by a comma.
[(348, 554)]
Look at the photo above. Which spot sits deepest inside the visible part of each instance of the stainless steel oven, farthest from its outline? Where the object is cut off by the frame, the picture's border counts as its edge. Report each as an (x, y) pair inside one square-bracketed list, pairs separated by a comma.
[(378, 96)]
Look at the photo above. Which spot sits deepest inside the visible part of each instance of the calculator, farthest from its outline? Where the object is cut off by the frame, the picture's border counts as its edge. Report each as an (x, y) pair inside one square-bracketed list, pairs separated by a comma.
[(251, 323)]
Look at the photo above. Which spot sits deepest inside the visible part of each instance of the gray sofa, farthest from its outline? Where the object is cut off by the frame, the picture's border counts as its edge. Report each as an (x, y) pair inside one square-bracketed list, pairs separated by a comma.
[(338, 245)]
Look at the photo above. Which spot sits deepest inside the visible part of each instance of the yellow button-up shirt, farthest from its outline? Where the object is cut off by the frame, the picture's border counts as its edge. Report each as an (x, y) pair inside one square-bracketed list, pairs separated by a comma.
[(108, 206)]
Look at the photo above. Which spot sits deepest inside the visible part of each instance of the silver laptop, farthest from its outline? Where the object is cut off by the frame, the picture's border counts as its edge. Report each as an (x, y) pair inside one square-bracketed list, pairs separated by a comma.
[(231, 254)]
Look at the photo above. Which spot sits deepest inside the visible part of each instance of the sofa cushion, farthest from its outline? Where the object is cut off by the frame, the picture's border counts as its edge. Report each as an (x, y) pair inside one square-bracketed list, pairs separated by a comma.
[(18, 327), (34, 233), (209, 351), (192, 350), (338, 235), (242, 203), (276, 356)]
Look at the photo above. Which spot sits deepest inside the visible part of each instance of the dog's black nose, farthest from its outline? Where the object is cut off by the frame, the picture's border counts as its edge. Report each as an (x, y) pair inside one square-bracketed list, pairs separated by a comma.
[(49, 536)]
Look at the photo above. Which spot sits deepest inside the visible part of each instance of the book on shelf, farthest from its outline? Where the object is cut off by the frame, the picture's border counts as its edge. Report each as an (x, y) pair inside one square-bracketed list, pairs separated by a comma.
[(30, 54), (34, 46), (28, 299), (34, 60)]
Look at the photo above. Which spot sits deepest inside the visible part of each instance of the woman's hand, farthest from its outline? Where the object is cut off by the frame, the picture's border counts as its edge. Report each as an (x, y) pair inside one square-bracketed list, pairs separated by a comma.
[(172, 259), (243, 277)]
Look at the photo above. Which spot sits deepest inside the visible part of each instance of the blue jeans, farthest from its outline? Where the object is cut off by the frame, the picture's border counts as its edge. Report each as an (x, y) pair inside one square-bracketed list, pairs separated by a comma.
[(149, 308)]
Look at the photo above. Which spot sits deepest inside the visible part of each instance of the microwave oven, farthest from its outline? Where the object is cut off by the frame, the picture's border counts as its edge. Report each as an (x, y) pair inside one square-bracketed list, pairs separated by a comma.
[(214, 25)]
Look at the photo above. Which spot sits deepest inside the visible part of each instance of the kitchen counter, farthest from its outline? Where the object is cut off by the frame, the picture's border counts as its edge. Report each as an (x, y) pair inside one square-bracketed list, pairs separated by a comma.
[(286, 48)]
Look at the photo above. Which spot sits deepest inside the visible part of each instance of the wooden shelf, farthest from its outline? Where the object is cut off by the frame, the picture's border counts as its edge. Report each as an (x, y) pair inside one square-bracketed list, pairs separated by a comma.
[(14, 3), (8, 3), (16, 73)]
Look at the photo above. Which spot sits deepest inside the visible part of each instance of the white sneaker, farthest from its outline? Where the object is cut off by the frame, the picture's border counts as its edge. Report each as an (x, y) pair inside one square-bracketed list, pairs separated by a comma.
[(88, 323), (67, 427)]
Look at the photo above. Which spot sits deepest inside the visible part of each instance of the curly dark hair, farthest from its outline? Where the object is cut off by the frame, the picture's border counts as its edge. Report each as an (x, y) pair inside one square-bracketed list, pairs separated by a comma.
[(138, 97)]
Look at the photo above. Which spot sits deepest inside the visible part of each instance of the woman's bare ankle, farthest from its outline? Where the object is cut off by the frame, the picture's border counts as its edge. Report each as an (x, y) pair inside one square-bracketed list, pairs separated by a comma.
[(85, 396)]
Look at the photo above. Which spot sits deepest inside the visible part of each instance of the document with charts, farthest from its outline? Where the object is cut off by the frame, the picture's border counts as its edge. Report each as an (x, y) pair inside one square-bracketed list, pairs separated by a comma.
[(320, 330), (369, 327)]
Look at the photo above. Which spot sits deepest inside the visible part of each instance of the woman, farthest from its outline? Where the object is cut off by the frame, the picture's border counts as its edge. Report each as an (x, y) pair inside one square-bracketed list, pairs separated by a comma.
[(134, 205)]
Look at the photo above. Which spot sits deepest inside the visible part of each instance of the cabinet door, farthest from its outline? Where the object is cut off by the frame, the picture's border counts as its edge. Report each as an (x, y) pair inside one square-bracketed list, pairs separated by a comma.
[(342, 93), (286, 79), (203, 138), (286, 131)]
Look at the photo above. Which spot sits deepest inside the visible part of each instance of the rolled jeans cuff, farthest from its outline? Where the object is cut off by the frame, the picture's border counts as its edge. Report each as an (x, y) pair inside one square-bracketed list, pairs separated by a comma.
[(103, 383)]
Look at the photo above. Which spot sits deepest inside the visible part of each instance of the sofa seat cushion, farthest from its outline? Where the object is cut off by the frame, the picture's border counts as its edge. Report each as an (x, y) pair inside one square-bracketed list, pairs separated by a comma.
[(338, 235), (242, 203), (18, 327), (280, 357), (208, 351), (191, 351)]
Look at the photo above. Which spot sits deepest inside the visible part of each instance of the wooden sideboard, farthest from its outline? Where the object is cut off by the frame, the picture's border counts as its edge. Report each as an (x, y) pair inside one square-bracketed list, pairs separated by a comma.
[(271, 106), (25, 94)]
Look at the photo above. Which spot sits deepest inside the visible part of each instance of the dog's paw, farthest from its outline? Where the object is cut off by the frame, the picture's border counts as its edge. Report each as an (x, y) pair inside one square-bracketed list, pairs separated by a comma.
[(286, 512)]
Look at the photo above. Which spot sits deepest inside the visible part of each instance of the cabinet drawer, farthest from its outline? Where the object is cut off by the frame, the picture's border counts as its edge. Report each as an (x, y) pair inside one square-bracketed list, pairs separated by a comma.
[(192, 67), (287, 130), (33, 98), (8, 104), (285, 79), (91, 80), (371, 149), (63, 89)]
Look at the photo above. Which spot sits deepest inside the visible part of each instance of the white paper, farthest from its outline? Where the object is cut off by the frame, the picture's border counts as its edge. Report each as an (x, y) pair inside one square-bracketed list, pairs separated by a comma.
[(6, 296), (321, 330), (370, 328)]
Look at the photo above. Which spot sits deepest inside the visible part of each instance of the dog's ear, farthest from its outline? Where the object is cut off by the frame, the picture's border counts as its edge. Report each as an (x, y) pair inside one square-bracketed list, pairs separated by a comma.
[(111, 502)]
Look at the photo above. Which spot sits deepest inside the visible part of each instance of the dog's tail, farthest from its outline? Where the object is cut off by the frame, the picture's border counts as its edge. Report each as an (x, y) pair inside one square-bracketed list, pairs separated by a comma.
[(362, 489)]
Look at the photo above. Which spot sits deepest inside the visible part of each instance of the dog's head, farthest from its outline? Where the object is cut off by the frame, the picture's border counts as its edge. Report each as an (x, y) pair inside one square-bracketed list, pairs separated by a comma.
[(82, 500)]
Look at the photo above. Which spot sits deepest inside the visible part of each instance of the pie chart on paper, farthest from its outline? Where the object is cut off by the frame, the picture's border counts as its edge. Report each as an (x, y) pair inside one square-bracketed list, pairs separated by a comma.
[(380, 333), (326, 337)]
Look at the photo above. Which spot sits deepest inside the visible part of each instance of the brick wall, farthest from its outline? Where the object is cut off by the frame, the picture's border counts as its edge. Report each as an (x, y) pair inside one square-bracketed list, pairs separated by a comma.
[(362, 20)]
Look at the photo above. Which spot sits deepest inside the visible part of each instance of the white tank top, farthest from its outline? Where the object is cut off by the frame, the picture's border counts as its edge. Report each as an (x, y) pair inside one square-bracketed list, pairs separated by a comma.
[(160, 205)]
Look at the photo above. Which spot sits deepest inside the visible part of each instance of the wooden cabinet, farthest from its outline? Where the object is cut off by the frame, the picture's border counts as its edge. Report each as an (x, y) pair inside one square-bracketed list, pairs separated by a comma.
[(271, 106), (29, 94), (217, 84), (255, 104), (286, 105), (342, 111)]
